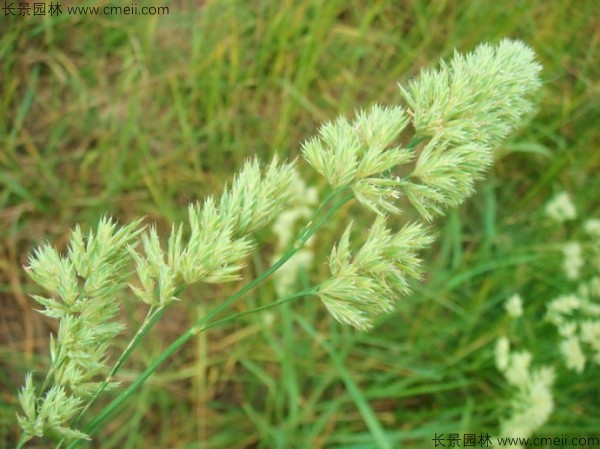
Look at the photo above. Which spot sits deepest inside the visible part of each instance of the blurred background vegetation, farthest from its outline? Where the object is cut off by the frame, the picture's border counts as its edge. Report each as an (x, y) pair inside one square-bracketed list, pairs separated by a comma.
[(140, 115)]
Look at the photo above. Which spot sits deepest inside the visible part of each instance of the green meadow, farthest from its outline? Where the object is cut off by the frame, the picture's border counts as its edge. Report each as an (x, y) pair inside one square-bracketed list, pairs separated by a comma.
[(139, 115)]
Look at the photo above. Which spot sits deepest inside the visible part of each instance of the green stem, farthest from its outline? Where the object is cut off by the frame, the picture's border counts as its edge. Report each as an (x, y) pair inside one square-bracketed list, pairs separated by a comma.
[(200, 325), (318, 211), (24, 439), (279, 302), (152, 317)]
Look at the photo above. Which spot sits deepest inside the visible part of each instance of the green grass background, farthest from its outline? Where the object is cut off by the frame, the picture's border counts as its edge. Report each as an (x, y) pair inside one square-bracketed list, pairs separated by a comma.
[(140, 115)]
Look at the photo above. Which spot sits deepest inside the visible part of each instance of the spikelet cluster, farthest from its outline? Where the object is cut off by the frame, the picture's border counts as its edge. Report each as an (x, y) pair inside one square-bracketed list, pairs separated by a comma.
[(219, 235), (461, 112), (478, 97), (366, 284), (50, 412), (355, 153), (82, 286), (467, 107)]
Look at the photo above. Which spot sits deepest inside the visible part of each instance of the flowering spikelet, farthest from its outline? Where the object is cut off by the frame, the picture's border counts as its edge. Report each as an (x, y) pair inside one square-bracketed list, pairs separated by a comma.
[(346, 152), (445, 175), (256, 196), (366, 285), (478, 98), (219, 234), (466, 107), (83, 285), (51, 411), (353, 154), (463, 111)]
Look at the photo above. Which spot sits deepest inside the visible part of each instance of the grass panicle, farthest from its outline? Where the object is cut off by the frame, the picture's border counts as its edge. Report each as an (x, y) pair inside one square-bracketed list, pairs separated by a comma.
[(460, 113)]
